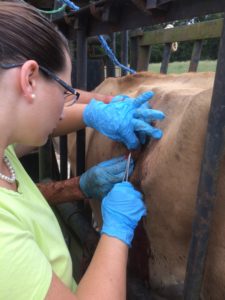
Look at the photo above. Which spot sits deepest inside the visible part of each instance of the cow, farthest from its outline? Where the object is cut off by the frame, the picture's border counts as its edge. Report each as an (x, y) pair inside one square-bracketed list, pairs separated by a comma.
[(167, 173)]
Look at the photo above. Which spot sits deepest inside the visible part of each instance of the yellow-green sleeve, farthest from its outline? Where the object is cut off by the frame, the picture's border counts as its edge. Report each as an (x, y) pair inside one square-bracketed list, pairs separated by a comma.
[(25, 273)]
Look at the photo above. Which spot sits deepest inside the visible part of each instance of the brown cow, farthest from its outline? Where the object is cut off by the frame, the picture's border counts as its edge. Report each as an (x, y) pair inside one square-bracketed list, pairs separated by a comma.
[(167, 173)]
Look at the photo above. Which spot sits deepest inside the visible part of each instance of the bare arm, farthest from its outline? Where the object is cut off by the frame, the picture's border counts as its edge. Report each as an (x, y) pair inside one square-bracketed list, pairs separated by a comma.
[(72, 120), (105, 277), (85, 97), (73, 115)]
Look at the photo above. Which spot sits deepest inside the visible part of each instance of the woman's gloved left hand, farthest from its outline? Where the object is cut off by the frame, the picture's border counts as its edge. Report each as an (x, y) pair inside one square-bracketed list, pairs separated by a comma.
[(99, 180), (124, 119)]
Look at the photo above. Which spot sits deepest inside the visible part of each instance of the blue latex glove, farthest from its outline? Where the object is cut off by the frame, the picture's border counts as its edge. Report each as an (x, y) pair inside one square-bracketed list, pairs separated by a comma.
[(147, 114), (122, 208), (124, 119), (99, 180)]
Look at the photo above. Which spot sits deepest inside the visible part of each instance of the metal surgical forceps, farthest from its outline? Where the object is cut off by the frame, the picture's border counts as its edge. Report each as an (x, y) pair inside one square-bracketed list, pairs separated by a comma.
[(126, 173)]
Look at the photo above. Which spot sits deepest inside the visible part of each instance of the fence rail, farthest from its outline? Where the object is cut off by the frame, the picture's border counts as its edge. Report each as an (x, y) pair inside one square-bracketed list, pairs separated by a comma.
[(141, 43)]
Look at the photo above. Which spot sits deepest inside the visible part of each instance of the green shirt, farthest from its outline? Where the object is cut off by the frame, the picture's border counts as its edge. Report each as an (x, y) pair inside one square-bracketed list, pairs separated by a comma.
[(31, 241)]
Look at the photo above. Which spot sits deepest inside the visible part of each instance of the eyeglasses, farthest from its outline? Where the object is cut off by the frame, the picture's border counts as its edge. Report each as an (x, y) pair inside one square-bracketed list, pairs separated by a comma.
[(70, 90)]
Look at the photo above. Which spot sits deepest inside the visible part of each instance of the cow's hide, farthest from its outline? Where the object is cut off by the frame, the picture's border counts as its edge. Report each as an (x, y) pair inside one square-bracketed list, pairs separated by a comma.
[(167, 173)]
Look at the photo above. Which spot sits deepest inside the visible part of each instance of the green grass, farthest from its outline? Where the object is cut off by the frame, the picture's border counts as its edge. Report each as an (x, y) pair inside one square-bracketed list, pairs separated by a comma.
[(182, 66)]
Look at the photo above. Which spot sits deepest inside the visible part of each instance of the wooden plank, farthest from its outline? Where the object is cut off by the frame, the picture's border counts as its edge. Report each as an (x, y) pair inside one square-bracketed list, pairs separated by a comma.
[(130, 17), (199, 31)]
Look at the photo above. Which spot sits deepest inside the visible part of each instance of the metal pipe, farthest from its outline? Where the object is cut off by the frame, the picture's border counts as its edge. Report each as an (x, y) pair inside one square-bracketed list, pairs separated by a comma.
[(63, 157), (81, 84), (213, 153), (110, 67), (124, 50), (82, 230), (45, 161)]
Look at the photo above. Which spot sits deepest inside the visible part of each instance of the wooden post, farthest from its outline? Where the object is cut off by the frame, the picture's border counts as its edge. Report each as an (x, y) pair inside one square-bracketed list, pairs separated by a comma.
[(144, 53), (196, 55), (166, 58), (207, 188)]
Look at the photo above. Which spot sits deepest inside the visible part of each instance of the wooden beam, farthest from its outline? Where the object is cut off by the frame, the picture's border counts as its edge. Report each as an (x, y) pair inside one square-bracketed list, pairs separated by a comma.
[(129, 17), (199, 31), (150, 4)]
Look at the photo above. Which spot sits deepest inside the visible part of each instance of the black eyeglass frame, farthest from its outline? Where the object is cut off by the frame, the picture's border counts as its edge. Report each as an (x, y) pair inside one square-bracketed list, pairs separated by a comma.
[(51, 75)]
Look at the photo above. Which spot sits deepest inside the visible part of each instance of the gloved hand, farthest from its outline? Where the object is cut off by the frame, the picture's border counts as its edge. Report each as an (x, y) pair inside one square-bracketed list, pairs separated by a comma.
[(99, 180), (146, 115), (124, 119), (122, 208)]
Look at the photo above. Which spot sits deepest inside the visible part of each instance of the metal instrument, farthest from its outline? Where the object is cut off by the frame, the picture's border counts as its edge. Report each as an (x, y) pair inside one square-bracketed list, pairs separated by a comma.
[(126, 173)]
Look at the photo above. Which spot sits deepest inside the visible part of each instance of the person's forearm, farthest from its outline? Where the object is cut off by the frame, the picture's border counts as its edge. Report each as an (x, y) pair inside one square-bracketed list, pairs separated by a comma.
[(72, 120), (85, 97), (62, 191), (73, 115), (105, 277)]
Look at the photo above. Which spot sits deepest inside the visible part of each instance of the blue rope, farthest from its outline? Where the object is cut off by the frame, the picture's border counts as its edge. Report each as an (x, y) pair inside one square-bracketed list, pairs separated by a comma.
[(112, 56), (71, 4), (103, 42)]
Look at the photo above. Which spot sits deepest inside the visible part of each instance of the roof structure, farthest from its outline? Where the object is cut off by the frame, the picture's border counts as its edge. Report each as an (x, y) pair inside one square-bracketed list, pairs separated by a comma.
[(106, 16)]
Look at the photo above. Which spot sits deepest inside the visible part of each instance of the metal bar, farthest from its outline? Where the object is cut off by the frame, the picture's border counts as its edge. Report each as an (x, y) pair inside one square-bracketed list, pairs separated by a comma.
[(196, 55), (81, 84), (213, 153), (63, 157), (110, 67), (133, 52), (45, 161), (124, 50), (80, 148), (166, 58), (84, 234)]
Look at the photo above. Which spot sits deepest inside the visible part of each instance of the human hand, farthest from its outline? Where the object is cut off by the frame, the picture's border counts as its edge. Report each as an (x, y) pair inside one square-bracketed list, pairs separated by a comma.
[(145, 115), (99, 180), (122, 208), (124, 119)]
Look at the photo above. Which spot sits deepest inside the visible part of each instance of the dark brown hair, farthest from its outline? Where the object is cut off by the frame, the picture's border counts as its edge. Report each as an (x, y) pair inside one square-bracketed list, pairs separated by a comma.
[(26, 34)]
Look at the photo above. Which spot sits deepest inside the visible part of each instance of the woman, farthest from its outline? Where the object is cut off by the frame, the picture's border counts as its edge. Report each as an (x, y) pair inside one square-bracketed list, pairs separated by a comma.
[(35, 71)]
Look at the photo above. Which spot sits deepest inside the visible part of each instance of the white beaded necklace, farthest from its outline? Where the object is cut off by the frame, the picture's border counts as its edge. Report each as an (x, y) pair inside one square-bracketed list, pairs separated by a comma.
[(12, 177)]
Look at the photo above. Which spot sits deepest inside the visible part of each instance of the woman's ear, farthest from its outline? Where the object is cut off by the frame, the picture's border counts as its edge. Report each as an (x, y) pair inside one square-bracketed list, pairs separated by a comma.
[(28, 78)]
